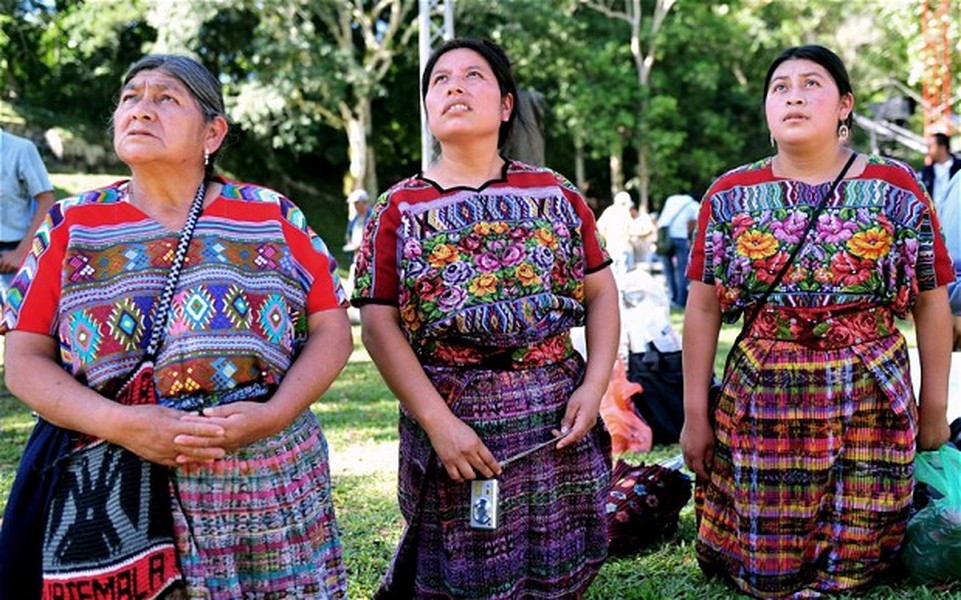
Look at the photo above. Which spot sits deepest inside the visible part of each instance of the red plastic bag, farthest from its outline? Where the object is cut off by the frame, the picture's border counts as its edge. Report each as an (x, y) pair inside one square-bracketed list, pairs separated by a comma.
[(629, 432)]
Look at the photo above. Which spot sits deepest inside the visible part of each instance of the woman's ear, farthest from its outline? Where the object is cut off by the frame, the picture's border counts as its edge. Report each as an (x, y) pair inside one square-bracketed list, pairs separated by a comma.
[(507, 107), (216, 132)]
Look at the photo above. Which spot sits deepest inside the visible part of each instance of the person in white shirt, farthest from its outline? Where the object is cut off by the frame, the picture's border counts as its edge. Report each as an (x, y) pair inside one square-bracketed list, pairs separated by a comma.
[(940, 168), (679, 215), (614, 225)]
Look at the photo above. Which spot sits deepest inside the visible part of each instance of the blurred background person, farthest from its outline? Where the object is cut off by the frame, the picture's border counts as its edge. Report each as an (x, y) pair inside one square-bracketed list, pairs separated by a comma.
[(679, 215), (257, 332), (940, 167), (642, 232), (26, 195), (468, 289), (357, 204), (614, 225), (804, 462)]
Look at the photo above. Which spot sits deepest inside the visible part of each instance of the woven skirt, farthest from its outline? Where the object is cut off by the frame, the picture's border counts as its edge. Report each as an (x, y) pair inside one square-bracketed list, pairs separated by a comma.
[(812, 476), (260, 522), (552, 534)]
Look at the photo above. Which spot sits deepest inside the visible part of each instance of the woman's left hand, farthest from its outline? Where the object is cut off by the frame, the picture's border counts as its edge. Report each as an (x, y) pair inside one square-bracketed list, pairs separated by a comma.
[(580, 416), (243, 423)]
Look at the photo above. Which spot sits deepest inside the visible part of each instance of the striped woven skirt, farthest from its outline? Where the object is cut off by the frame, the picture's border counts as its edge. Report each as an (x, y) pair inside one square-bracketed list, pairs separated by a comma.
[(260, 522), (552, 534), (811, 482)]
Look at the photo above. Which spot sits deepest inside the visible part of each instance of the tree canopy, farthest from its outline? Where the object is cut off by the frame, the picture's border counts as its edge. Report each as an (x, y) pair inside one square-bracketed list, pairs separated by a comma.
[(660, 96)]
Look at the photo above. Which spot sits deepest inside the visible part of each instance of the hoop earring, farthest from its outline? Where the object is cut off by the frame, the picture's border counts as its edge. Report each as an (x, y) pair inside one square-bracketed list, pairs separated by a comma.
[(844, 132), (206, 158)]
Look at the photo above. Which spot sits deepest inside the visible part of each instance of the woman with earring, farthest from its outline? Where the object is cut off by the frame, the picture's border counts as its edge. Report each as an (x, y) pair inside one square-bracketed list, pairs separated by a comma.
[(255, 331), (804, 462), (469, 278)]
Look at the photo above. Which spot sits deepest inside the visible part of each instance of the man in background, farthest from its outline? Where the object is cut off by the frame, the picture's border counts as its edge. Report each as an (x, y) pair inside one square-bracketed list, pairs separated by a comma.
[(940, 168), (679, 215), (26, 195)]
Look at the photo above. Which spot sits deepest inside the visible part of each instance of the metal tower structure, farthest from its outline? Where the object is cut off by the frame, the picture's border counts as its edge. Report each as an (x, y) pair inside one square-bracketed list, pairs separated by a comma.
[(436, 22), (936, 80)]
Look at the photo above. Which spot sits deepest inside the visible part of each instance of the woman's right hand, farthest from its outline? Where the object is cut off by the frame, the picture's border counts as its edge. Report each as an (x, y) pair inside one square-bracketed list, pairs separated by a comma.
[(697, 445), (149, 431), (461, 451)]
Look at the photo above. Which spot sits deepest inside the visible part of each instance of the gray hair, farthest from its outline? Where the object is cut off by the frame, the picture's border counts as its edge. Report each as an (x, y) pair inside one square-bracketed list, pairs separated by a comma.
[(200, 82)]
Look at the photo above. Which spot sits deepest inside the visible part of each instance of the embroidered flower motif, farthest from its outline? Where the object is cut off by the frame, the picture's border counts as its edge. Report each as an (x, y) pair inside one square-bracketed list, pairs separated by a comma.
[(767, 270), (850, 270), (409, 315), (484, 284), (442, 254), (740, 224), (546, 237), (451, 299), (870, 244), (526, 274), (790, 229), (457, 273), (756, 244)]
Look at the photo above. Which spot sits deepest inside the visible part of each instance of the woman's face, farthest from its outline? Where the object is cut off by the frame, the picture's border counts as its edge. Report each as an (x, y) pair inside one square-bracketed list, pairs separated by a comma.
[(157, 120), (803, 103), (463, 98)]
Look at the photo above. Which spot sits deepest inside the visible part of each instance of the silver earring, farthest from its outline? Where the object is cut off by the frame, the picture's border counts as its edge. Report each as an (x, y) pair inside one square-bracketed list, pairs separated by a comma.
[(206, 158), (844, 132), (773, 143)]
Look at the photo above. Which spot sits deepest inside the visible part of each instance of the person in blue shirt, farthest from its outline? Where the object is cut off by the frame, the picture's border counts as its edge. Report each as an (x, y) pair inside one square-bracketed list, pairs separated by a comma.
[(358, 201), (26, 195)]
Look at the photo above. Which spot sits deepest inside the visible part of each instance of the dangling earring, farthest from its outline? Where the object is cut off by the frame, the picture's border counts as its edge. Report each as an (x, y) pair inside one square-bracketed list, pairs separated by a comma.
[(843, 132), (206, 157), (773, 143)]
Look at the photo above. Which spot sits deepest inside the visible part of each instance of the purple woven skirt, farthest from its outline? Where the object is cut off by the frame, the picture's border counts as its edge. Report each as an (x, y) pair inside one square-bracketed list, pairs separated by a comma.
[(552, 534)]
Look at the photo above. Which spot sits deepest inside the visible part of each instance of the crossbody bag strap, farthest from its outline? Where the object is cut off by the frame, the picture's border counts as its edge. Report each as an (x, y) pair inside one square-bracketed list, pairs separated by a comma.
[(162, 308), (759, 306)]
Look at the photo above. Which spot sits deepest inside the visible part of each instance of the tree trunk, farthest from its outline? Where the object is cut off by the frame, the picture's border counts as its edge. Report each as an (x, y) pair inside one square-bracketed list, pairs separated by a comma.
[(643, 178), (580, 173), (358, 132), (617, 171)]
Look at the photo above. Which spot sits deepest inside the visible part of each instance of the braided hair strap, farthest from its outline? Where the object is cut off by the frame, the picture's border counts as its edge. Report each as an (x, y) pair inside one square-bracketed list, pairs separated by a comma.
[(162, 308)]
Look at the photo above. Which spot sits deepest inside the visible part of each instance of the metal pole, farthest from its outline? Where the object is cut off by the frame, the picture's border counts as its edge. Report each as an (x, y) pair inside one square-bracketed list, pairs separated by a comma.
[(436, 21)]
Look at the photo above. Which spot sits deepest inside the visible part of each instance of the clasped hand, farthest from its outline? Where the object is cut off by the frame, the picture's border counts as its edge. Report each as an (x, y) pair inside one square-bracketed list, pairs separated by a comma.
[(174, 438)]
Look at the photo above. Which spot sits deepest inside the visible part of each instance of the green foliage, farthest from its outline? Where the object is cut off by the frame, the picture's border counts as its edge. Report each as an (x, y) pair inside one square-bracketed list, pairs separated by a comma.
[(296, 72)]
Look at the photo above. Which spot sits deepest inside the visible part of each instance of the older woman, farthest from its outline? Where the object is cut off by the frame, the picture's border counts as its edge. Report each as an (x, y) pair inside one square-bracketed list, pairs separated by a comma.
[(805, 463), (470, 277), (256, 332)]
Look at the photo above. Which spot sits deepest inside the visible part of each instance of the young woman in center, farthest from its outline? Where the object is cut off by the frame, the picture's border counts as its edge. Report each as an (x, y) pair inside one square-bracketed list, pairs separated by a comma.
[(469, 280)]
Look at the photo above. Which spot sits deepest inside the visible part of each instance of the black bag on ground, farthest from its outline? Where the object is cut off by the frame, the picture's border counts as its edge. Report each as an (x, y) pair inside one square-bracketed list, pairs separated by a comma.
[(661, 404), (643, 506)]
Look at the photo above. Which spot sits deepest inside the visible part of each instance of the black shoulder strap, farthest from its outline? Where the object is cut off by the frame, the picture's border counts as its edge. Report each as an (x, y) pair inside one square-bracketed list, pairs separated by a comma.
[(759, 305)]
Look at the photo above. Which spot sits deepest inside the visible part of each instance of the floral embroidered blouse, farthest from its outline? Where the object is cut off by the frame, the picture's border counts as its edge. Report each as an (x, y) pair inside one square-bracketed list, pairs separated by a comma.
[(489, 276), (876, 244)]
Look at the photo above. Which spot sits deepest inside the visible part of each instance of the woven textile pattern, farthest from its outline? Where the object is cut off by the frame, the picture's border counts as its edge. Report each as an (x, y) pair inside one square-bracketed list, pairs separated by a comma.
[(488, 283), (812, 474), (253, 274)]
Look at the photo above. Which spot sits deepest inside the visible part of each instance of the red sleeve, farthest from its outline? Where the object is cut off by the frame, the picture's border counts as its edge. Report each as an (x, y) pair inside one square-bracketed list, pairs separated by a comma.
[(595, 255), (376, 278), (321, 292), (32, 300), (695, 264)]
